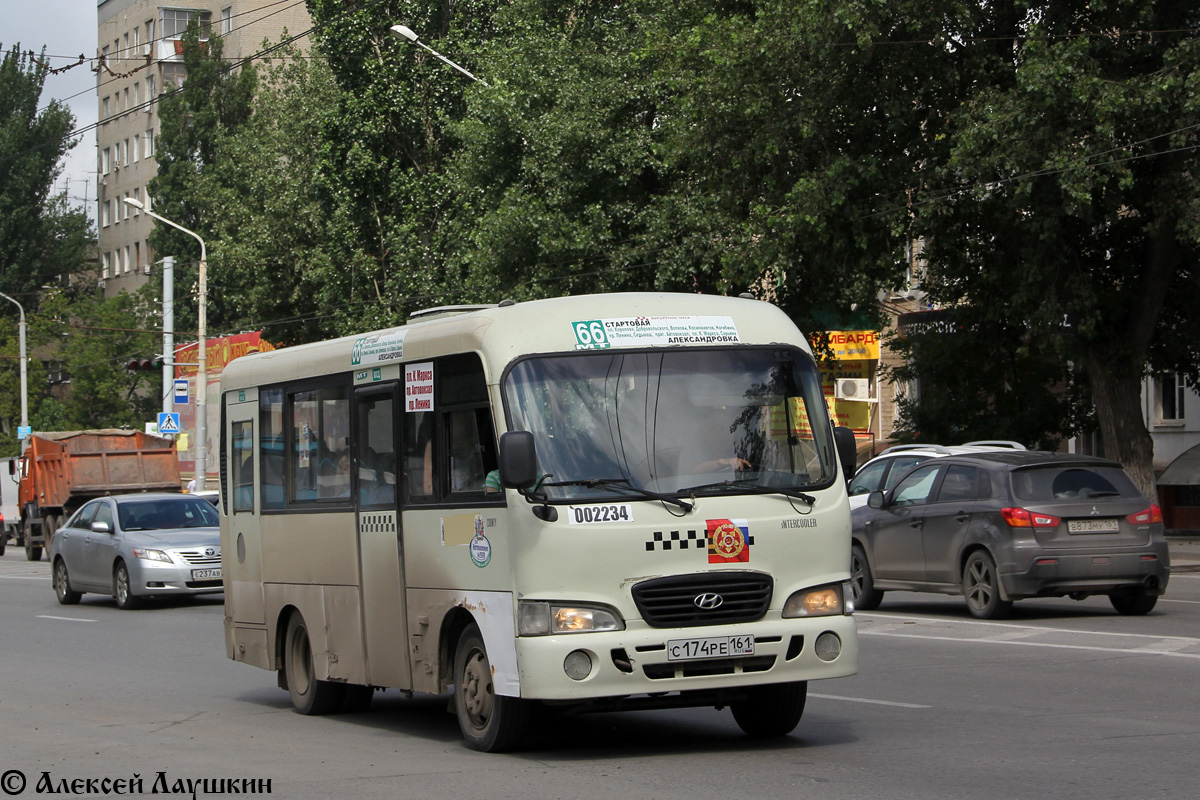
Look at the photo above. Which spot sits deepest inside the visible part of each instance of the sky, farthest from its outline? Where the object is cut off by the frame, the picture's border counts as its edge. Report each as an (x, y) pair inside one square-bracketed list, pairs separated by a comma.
[(66, 28)]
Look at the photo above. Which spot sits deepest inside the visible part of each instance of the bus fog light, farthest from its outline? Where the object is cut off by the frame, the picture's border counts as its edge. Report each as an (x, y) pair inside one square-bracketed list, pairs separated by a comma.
[(829, 646), (577, 665)]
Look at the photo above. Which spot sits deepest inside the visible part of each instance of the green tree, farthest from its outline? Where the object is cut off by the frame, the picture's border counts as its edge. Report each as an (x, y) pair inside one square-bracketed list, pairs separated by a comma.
[(32, 143), (216, 99), (1067, 200)]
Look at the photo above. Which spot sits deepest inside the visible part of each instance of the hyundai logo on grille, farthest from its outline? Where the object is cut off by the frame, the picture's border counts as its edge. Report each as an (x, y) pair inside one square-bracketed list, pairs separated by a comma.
[(708, 600), (210, 551)]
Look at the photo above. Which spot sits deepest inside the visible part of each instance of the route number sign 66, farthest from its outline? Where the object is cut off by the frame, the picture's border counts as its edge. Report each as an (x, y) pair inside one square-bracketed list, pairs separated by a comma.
[(590, 335)]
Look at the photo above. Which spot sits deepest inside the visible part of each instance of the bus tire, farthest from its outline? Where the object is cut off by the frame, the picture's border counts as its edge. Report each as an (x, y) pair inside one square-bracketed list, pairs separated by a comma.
[(489, 722), (771, 711), (866, 596), (310, 696)]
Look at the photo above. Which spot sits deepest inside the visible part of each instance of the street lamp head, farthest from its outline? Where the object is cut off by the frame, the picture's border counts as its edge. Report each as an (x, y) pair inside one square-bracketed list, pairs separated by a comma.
[(135, 203), (401, 31)]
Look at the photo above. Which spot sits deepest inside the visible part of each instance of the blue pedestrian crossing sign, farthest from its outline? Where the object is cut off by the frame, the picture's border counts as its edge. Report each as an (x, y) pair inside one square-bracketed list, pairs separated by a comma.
[(168, 422)]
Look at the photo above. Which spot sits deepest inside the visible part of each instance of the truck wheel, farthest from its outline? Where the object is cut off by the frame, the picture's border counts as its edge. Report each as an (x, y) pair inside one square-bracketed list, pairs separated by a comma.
[(3, 541), (121, 591), (50, 526), (32, 553)]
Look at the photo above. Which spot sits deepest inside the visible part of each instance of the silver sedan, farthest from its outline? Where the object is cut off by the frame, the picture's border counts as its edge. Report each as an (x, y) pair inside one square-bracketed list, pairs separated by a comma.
[(138, 545)]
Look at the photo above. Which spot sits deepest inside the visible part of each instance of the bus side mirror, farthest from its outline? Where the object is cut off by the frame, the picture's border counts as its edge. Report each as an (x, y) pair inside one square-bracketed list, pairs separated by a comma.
[(518, 460), (847, 450)]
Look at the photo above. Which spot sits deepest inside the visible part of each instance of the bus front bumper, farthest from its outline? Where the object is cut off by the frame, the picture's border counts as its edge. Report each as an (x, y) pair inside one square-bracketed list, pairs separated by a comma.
[(638, 660)]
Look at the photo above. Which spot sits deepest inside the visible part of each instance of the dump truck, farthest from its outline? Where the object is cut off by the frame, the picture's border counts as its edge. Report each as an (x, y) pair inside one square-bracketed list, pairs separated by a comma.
[(59, 471)]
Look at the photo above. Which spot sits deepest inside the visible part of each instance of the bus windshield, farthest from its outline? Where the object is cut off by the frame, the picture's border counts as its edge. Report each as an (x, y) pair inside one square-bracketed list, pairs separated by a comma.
[(681, 422)]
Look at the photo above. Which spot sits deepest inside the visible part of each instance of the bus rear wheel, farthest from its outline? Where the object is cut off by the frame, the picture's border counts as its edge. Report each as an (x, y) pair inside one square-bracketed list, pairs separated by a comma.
[(771, 711), (489, 722), (310, 696)]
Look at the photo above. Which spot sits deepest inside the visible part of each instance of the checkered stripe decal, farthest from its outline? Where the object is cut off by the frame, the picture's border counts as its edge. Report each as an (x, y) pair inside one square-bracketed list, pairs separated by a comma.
[(681, 540), (380, 522)]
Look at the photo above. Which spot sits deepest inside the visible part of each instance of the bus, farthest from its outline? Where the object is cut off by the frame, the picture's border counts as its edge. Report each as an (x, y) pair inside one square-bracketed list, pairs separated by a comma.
[(589, 503)]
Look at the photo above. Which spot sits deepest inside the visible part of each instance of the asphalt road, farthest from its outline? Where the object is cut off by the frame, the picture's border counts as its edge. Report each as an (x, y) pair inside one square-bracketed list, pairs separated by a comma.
[(1064, 700)]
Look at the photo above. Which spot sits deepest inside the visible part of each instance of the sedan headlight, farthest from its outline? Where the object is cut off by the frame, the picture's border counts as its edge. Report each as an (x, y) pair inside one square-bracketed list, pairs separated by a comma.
[(542, 619), (823, 601), (152, 555)]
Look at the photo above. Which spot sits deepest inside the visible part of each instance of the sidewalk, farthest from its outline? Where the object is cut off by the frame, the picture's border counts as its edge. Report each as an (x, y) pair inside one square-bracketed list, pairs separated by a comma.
[(1185, 554)]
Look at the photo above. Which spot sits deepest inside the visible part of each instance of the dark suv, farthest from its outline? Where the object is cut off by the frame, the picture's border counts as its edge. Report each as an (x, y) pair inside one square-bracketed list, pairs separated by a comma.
[(1003, 526)]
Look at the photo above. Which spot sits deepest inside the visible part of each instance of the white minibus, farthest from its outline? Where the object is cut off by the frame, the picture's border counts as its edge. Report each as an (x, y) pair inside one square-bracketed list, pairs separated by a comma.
[(600, 502)]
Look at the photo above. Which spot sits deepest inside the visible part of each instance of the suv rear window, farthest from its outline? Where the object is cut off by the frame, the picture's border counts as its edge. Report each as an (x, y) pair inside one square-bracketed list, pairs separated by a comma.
[(1071, 483)]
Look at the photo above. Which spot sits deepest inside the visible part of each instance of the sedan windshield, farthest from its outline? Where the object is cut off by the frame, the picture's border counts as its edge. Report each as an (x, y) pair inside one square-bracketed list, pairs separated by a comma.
[(156, 515), (733, 420)]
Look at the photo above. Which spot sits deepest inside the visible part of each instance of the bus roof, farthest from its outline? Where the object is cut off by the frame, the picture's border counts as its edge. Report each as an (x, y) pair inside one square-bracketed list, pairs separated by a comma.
[(504, 332)]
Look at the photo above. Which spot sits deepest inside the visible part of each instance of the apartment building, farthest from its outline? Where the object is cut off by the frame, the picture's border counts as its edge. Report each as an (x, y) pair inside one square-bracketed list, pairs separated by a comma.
[(139, 56)]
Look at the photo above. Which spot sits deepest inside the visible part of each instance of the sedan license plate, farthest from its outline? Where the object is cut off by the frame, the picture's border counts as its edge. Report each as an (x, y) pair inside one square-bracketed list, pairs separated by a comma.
[(710, 647), (1093, 525), (206, 574)]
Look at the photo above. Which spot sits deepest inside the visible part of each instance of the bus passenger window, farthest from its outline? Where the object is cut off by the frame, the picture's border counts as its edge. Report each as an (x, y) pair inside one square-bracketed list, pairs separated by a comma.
[(270, 445), (243, 466), (418, 456), (466, 455)]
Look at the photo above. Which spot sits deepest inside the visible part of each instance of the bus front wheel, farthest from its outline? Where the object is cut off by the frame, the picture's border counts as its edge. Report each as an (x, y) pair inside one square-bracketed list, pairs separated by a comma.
[(310, 696), (771, 711), (489, 722)]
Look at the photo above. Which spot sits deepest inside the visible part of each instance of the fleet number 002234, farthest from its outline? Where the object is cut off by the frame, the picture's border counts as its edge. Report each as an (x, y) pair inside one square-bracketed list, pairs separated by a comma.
[(710, 647)]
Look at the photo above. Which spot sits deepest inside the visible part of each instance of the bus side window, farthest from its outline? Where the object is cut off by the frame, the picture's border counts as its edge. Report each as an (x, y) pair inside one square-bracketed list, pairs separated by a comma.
[(270, 414), (418, 456)]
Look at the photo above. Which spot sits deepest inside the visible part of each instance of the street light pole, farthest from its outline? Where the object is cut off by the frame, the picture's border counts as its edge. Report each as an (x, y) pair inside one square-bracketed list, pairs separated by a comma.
[(24, 385), (201, 460), (402, 32)]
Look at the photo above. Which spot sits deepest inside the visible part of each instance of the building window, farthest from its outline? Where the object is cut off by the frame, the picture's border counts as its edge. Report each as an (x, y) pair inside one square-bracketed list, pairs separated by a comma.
[(149, 31), (175, 22), (106, 160), (105, 109), (149, 146), (136, 153), (150, 89), (1170, 389), (174, 74), (137, 94), (127, 256), (226, 20), (137, 195), (105, 261), (137, 255)]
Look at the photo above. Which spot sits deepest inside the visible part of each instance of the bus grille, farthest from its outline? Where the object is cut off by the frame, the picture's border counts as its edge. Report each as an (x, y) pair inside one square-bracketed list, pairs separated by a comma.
[(673, 602)]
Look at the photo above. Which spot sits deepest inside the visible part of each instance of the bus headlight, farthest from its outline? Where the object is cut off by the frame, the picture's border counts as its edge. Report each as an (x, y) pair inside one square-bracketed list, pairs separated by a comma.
[(541, 619), (823, 601)]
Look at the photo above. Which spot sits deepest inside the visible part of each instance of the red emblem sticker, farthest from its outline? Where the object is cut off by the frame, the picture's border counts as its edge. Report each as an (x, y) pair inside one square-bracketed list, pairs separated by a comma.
[(728, 541)]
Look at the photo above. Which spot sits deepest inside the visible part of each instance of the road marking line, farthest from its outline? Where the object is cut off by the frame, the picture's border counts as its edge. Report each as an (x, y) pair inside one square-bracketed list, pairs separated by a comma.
[(65, 619), (1140, 651), (1017, 626), (1189, 602), (25, 577), (865, 700)]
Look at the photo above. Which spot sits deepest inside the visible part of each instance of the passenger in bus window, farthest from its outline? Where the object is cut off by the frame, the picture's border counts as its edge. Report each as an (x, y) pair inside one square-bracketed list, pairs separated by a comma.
[(466, 456)]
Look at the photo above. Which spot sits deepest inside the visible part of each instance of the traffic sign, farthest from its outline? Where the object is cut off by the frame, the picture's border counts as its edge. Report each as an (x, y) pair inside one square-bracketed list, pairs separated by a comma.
[(182, 393), (23, 431), (168, 422)]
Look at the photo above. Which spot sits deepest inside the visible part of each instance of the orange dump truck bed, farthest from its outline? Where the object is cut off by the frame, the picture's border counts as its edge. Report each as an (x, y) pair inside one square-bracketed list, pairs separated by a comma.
[(62, 470)]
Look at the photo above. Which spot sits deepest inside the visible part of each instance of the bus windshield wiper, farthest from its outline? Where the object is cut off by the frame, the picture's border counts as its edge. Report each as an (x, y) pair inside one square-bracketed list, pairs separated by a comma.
[(623, 484), (753, 487)]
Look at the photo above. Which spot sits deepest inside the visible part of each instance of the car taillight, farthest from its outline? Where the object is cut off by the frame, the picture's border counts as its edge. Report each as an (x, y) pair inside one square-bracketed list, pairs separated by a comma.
[(1024, 518), (1147, 516)]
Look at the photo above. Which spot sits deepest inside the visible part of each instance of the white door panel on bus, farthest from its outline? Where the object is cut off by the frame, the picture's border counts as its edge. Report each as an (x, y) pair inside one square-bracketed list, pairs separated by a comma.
[(446, 548), (241, 545), (310, 548)]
